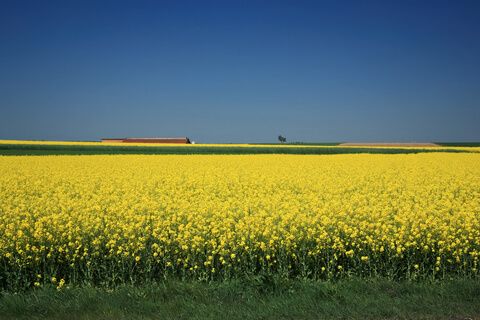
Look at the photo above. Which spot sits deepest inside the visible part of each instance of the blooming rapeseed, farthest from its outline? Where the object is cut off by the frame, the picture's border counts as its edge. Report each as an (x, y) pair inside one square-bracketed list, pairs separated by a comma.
[(109, 219)]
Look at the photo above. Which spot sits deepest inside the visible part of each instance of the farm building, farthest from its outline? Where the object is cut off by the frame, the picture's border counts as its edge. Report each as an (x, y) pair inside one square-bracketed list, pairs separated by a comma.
[(181, 140)]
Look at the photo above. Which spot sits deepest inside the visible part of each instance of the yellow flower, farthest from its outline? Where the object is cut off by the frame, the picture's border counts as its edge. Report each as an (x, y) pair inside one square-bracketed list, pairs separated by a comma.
[(61, 283)]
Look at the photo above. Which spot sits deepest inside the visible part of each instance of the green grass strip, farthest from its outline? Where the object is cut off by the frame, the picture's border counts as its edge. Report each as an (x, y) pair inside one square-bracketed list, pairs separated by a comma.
[(35, 149), (345, 299)]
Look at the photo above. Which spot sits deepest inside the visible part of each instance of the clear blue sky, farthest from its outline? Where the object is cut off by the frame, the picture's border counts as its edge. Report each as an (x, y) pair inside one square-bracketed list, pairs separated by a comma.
[(240, 71)]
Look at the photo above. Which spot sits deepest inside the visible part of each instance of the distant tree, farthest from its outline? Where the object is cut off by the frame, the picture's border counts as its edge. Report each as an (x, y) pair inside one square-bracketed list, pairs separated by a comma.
[(282, 139)]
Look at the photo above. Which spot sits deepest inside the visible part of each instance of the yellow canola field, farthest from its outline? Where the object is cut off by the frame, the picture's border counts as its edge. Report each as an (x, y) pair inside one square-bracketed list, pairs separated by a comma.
[(129, 144), (110, 219), (246, 145)]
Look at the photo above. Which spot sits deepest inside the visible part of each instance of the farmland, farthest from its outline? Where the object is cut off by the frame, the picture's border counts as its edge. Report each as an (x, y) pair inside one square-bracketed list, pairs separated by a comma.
[(18, 147), (115, 219), (218, 223)]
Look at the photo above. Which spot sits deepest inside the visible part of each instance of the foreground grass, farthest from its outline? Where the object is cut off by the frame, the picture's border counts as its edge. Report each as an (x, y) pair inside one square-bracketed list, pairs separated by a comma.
[(47, 149), (346, 299)]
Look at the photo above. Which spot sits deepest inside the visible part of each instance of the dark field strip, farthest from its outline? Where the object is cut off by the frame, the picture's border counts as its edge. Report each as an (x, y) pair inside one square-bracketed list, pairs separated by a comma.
[(21, 149), (346, 299), (300, 143), (458, 144)]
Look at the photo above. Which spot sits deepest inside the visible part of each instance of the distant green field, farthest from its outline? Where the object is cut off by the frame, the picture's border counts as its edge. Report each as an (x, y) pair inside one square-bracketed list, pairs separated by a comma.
[(39, 149), (301, 143), (459, 144)]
